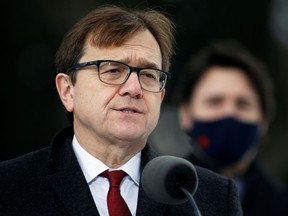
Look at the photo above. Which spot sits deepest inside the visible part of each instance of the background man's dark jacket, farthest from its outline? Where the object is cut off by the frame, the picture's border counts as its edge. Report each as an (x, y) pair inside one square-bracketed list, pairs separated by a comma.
[(264, 195)]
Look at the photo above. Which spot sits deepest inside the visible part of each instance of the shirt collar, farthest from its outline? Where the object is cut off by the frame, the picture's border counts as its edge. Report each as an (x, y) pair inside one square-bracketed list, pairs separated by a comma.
[(92, 167)]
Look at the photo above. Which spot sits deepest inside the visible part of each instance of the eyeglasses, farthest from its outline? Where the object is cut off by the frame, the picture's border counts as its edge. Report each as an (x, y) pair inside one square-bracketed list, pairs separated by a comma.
[(117, 73)]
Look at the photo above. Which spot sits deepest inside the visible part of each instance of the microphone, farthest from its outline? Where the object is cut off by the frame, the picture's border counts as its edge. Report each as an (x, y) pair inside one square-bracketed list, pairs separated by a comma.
[(170, 180)]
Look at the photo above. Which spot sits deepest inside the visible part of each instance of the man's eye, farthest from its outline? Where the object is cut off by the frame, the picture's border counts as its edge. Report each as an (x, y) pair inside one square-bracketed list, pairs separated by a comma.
[(111, 71), (244, 104), (213, 101), (114, 70), (149, 75)]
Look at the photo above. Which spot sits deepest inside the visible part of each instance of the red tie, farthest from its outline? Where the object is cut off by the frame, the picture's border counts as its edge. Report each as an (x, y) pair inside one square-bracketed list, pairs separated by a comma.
[(116, 204)]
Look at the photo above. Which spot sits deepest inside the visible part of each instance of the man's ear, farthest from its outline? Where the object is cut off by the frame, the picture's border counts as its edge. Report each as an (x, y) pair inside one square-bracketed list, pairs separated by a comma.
[(163, 94), (185, 118), (65, 90)]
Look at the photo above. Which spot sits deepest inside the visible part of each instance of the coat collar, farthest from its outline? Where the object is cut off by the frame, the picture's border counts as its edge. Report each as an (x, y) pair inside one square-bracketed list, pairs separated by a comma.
[(69, 182)]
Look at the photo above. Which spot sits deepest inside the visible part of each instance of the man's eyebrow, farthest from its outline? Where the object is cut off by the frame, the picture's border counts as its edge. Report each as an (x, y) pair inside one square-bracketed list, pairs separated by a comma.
[(149, 65), (246, 99), (141, 63), (214, 98)]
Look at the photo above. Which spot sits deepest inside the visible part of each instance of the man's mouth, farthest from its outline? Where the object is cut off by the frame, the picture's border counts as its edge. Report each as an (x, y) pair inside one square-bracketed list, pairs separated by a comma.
[(129, 110)]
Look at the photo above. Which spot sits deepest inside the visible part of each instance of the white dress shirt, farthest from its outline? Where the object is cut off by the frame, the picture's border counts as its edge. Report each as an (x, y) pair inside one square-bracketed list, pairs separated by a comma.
[(99, 186)]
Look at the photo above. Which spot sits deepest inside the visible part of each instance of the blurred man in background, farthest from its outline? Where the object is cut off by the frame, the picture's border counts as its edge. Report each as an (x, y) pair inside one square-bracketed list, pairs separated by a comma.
[(226, 105)]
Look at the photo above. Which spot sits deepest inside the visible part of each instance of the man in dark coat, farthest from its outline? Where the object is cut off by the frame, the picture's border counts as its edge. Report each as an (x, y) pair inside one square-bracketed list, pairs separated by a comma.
[(51, 182), (111, 75)]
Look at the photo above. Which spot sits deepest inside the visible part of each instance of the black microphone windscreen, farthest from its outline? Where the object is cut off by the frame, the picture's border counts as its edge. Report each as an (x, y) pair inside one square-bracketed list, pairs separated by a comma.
[(163, 177)]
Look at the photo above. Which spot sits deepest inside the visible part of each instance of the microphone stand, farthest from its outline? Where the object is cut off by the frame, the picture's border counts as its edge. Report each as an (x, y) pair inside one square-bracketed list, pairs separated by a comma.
[(191, 200)]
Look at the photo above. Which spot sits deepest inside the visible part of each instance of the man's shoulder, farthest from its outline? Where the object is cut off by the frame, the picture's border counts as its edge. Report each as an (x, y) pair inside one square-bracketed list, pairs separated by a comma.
[(24, 163), (212, 182), (216, 190), (38, 159), (207, 175)]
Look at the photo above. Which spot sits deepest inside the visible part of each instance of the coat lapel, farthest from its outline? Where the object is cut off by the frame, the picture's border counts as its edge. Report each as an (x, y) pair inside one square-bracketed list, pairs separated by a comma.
[(67, 178), (147, 206), (74, 193)]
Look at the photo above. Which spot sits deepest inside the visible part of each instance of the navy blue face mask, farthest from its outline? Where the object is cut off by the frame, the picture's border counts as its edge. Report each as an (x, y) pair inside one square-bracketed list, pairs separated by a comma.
[(224, 141)]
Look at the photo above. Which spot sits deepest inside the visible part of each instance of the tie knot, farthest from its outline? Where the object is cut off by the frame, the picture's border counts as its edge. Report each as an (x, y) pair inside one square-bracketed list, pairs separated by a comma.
[(115, 177)]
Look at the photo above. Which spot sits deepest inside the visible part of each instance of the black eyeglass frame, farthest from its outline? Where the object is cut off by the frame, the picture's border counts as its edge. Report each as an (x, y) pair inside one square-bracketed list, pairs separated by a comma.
[(131, 70)]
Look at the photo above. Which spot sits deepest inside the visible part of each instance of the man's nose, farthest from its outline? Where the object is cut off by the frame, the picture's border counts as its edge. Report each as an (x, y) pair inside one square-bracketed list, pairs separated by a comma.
[(229, 109), (132, 86)]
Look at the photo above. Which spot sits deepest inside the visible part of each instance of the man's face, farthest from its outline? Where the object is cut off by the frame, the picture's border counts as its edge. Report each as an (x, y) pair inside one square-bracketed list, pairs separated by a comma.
[(116, 113), (222, 92)]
